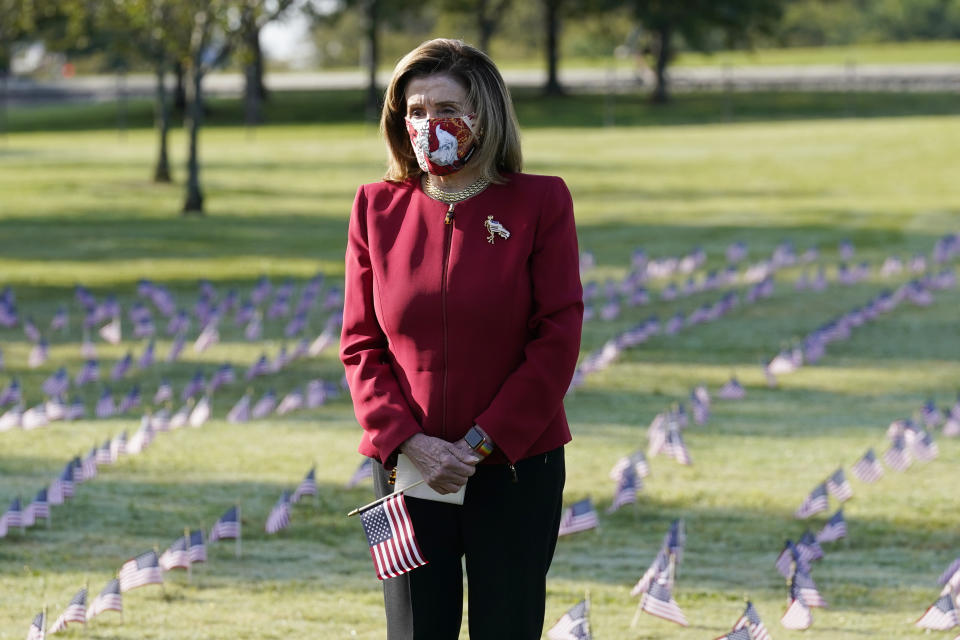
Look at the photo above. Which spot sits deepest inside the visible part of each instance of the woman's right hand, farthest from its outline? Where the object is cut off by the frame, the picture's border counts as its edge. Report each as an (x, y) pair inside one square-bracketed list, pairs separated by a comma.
[(445, 466)]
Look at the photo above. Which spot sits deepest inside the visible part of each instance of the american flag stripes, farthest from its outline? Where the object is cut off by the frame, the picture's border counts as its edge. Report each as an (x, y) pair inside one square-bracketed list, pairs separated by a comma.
[(838, 486), (941, 615), (307, 486), (390, 535), (109, 599), (804, 585), (140, 571), (227, 527), (868, 469), (658, 601), (76, 611), (627, 487), (808, 548), (38, 508), (751, 621), (814, 503), (835, 528), (13, 517), (798, 615), (279, 517), (197, 548), (790, 560), (176, 556), (580, 516), (897, 457), (574, 624)]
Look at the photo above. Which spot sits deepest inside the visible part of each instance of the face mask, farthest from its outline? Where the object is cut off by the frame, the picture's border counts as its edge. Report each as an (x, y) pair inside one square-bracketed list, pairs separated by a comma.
[(442, 145)]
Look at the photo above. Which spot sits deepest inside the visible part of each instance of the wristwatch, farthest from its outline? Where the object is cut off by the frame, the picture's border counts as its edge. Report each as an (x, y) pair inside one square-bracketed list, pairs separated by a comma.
[(478, 442)]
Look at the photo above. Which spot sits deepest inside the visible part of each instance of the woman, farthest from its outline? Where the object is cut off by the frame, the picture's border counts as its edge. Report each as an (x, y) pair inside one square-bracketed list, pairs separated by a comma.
[(461, 331)]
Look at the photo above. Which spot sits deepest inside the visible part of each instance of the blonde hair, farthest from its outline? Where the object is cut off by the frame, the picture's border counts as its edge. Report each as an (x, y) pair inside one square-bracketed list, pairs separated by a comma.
[(498, 144)]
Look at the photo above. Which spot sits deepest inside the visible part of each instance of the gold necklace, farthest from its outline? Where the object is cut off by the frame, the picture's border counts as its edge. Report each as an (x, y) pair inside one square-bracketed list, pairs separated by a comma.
[(453, 197)]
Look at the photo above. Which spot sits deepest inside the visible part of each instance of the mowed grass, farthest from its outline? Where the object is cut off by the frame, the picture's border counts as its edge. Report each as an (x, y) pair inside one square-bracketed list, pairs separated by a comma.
[(78, 207)]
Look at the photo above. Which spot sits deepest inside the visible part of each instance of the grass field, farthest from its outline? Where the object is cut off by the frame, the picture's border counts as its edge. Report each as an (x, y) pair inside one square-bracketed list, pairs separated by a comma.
[(76, 206)]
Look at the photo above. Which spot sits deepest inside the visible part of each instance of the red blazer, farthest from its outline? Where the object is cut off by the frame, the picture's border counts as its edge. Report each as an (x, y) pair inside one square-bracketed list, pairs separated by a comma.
[(443, 329)]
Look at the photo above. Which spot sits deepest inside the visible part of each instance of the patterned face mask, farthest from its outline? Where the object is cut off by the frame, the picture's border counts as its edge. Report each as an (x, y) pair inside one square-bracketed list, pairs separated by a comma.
[(442, 145)]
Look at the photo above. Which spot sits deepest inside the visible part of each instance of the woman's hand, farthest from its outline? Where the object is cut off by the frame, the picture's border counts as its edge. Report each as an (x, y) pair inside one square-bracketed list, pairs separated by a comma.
[(445, 466)]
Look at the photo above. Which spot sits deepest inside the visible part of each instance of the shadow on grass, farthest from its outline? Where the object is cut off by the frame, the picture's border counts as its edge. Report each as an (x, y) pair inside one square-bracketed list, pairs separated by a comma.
[(534, 110)]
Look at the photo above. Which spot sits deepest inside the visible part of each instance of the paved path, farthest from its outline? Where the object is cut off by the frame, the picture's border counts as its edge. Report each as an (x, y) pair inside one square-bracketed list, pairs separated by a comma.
[(912, 77)]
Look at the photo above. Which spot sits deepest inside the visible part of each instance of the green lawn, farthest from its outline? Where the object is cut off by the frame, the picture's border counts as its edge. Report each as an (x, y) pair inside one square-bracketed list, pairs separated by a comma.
[(76, 206)]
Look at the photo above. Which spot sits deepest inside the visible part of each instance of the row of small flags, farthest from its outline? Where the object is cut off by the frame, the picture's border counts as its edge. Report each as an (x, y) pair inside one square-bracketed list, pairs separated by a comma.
[(642, 268), (944, 614), (209, 309), (54, 407), (145, 569), (187, 550), (83, 468), (794, 562), (634, 336), (813, 346)]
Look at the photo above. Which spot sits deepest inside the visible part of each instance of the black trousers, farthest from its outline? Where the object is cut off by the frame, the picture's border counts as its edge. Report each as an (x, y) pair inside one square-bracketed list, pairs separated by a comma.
[(506, 530)]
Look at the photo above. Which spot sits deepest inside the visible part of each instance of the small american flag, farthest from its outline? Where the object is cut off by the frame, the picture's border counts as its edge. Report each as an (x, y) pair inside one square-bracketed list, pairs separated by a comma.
[(736, 634), (147, 357), (808, 548), (390, 535), (628, 485), (260, 367), (897, 457), (13, 517), (105, 406), (37, 630), (732, 390), (790, 560), (118, 446), (39, 508), (140, 571), (107, 600), (364, 471), (228, 526), (838, 486), (580, 516), (316, 394), (924, 448), (805, 586), (867, 469), (290, 402), (197, 548), (130, 401), (176, 556), (835, 528), (264, 405), (951, 571), (279, 517), (176, 348), (797, 615), (572, 625), (200, 413), (941, 615), (122, 367), (307, 486), (637, 459), (89, 465), (751, 621), (814, 503), (658, 601), (660, 565), (76, 611), (240, 412), (104, 456)]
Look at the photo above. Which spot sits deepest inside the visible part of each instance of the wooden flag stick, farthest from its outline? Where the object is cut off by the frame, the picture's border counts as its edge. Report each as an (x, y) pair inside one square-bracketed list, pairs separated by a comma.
[(636, 614), (86, 587), (587, 613), (379, 500), (44, 622)]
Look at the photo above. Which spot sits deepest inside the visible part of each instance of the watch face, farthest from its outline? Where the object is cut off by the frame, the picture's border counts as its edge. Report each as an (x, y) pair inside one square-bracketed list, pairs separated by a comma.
[(473, 439)]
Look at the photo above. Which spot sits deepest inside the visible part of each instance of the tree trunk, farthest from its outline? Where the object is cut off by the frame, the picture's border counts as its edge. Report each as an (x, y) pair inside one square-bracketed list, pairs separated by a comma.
[(485, 25), (552, 23), (162, 119), (194, 202), (180, 92), (663, 46), (373, 55), (254, 91)]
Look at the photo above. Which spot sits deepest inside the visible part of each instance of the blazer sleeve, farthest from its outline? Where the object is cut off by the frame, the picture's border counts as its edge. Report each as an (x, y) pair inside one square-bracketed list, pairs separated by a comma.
[(378, 402), (532, 394)]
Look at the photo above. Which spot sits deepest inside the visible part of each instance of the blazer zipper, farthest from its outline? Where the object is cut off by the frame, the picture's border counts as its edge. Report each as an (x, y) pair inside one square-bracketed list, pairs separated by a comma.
[(448, 239)]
